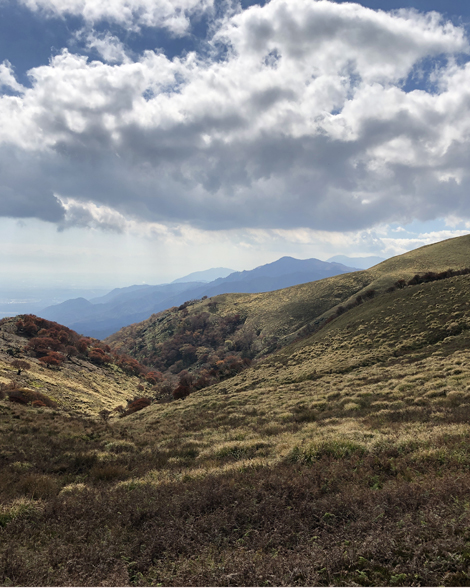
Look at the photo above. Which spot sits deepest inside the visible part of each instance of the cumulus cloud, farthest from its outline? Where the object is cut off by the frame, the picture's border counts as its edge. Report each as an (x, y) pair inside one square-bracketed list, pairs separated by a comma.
[(108, 46), (7, 77), (173, 15), (299, 116)]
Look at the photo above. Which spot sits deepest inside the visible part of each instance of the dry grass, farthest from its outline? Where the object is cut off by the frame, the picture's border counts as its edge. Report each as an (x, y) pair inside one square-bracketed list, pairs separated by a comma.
[(343, 459), (78, 387)]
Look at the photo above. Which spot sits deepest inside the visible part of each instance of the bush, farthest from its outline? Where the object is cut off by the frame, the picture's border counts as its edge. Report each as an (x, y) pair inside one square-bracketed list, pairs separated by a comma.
[(181, 392), (20, 364), (53, 359), (136, 405), (26, 396)]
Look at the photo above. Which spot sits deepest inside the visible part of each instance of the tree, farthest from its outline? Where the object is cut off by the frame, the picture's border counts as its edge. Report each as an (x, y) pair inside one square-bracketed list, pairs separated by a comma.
[(52, 359), (71, 351), (20, 365)]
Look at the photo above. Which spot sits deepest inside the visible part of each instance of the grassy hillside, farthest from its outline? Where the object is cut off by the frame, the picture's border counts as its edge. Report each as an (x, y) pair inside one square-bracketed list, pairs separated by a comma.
[(341, 459), (209, 337), (79, 386)]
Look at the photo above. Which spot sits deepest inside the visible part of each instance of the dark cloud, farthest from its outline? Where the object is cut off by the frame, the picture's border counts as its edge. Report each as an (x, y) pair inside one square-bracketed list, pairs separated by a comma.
[(25, 190), (324, 136)]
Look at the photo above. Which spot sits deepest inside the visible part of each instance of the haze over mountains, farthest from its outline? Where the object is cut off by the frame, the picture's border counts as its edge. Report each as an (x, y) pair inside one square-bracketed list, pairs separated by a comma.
[(206, 275), (100, 317), (359, 262)]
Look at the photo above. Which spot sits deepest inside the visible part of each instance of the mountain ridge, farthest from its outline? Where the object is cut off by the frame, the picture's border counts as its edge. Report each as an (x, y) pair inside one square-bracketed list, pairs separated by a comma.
[(260, 323), (127, 306)]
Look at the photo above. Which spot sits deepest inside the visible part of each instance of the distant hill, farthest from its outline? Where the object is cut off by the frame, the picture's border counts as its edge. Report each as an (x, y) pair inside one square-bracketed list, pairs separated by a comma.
[(283, 273), (120, 293), (359, 262), (124, 306), (206, 275)]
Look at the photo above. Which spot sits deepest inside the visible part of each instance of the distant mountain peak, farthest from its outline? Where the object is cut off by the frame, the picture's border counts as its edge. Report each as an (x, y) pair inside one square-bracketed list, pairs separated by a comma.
[(205, 276)]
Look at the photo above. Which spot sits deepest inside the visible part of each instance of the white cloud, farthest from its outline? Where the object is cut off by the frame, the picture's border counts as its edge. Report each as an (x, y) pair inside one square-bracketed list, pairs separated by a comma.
[(303, 121), (7, 77), (393, 246), (109, 47), (171, 14)]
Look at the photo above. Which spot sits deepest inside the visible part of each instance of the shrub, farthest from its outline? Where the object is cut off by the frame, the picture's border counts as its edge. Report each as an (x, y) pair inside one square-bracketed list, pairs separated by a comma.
[(53, 359), (27, 396), (20, 365), (136, 405), (98, 356), (181, 391)]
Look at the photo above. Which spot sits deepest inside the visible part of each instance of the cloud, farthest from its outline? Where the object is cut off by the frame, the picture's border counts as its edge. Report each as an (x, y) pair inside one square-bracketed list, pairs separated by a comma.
[(108, 46), (88, 214), (173, 15), (7, 77), (298, 116)]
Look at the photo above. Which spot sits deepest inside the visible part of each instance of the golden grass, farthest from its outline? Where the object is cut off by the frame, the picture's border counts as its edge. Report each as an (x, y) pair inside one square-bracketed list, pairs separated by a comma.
[(284, 314), (78, 386), (368, 371), (383, 389)]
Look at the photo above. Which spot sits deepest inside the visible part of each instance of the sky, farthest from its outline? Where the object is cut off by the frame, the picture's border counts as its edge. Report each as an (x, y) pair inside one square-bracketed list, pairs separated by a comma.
[(141, 140)]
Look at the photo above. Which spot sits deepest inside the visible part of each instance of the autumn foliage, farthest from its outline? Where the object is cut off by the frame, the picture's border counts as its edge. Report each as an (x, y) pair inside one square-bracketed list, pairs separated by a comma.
[(202, 348), (25, 396), (136, 405), (52, 344)]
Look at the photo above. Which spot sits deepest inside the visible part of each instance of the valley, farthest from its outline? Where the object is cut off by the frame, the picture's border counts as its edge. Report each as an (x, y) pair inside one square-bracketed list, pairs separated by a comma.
[(340, 456)]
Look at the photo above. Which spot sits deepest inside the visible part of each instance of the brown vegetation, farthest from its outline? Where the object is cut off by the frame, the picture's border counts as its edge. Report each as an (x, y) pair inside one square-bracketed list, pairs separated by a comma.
[(341, 459)]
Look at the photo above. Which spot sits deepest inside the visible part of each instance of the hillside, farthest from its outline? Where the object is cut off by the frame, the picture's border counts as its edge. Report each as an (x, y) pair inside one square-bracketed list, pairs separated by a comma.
[(81, 384), (340, 459), (210, 337), (103, 316)]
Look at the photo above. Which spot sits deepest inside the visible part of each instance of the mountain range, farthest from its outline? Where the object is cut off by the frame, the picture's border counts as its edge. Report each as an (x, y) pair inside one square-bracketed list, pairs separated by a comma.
[(100, 317)]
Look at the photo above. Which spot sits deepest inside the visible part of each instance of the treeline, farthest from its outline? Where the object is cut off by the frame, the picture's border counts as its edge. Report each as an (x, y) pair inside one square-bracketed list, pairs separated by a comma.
[(428, 277)]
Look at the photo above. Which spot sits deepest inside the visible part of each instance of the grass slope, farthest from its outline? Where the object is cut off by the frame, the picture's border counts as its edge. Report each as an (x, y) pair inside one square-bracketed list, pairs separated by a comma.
[(79, 386), (282, 314), (341, 459)]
